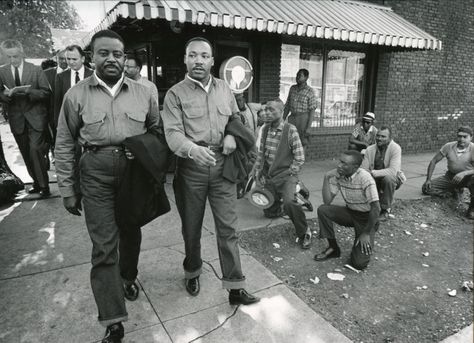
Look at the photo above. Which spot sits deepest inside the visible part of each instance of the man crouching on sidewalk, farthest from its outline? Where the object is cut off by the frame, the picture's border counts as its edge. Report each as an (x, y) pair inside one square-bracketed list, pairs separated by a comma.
[(278, 163), (361, 211)]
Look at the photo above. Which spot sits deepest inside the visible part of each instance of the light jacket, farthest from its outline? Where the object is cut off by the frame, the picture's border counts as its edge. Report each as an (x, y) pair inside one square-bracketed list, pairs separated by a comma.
[(392, 160)]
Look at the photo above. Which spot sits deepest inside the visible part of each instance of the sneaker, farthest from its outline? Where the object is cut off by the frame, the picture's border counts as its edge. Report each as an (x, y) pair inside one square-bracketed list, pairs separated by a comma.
[(305, 241)]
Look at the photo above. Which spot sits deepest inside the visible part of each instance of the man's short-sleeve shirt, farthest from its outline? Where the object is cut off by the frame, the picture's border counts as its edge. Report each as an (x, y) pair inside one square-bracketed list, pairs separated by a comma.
[(301, 100), (367, 137), (458, 162), (358, 190)]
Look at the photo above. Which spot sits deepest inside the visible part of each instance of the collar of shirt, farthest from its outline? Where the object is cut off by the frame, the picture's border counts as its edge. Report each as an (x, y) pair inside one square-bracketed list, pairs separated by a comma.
[(73, 75), (350, 178), (20, 70), (115, 88), (200, 84), (278, 128), (59, 70)]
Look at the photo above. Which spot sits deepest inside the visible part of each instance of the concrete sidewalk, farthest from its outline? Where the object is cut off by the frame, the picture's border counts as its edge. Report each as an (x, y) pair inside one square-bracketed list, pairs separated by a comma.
[(45, 266)]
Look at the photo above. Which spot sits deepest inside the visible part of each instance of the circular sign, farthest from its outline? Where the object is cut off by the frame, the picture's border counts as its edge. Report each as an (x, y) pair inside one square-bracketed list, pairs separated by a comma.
[(237, 72)]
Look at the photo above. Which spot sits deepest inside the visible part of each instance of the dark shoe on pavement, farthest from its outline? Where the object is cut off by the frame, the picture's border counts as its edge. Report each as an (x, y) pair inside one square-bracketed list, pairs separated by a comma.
[(34, 189), (305, 241), (384, 215), (45, 192), (328, 253), (114, 333), (241, 297), (308, 205), (192, 286), (131, 291)]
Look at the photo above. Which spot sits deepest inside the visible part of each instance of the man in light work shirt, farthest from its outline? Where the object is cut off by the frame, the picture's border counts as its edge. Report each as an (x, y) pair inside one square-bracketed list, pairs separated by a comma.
[(301, 103), (133, 66), (460, 156), (195, 114), (100, 113), (361, 211)]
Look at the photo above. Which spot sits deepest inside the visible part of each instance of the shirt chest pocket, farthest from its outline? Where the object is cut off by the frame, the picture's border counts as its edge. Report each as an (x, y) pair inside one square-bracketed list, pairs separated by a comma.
[(196, 118), (94, 124), (134, 123)]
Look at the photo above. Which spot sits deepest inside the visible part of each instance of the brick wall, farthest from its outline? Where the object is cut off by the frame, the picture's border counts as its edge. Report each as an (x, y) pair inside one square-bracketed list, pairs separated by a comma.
[(426, 95), (269, 68)]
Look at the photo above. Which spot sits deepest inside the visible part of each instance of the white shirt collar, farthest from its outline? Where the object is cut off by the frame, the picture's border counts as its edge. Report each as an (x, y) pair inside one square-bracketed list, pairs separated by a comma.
[(112, 90), (59, 70), (206, 87), (73, 75), (20, 70)]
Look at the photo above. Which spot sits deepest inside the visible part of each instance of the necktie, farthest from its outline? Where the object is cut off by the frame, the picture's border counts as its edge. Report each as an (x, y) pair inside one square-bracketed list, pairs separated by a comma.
[(77, 77), (17, 77)]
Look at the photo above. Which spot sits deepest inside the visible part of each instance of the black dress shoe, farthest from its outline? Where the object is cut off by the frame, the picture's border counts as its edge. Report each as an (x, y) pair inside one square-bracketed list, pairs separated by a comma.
[(328, 253), (35, 189), (192, 286), (44, 192), (131, 291), (114, 333), (305, 241), (241, 297)]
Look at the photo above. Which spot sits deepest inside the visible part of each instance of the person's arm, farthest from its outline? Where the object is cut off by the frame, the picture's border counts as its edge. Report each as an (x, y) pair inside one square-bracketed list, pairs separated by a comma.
[(431, 167), (64, 153), (312, 105), (330, 188), (43, 92), (153, 122), (296, 149), (358, 143), (364, 238), (461, 175), (286, 110), (309, 122)]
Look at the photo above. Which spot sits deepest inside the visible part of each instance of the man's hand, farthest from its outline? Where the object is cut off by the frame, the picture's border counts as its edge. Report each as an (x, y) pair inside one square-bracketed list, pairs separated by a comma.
[(332, 174), (203, 156), (229, 145), (364, 241), (426, 186), (458, 177), (73, 204), (128, 154), (259, 178)]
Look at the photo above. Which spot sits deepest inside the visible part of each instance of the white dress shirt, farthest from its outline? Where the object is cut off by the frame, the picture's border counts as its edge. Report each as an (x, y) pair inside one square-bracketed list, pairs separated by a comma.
[(73, 75), (20, 71)]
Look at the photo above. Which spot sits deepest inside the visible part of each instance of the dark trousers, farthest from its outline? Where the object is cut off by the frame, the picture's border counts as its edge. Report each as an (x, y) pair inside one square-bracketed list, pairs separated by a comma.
[(193, 184), (100, 174), (330, 214), (285, 188), (443, 184), (33, 148), (386, 187), (300, 121)]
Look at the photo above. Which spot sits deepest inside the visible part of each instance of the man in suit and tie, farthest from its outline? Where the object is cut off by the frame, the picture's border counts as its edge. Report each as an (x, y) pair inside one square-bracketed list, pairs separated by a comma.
[(77, 71), (51, 76), (27, 112)]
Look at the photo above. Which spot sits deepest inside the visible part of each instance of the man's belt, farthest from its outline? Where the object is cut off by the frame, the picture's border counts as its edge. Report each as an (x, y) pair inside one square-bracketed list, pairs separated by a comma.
[(214, 148), (95, 148)]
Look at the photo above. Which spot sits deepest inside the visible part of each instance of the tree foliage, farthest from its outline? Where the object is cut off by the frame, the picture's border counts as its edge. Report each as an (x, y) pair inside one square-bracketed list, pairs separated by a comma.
[(29, 21)]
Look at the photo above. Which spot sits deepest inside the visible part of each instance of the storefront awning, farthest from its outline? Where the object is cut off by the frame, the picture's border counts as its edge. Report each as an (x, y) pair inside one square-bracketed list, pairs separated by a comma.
[(340, 20)]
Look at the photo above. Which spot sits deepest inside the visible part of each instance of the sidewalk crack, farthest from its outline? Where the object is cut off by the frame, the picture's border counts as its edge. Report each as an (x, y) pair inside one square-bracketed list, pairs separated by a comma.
[(217, 327)]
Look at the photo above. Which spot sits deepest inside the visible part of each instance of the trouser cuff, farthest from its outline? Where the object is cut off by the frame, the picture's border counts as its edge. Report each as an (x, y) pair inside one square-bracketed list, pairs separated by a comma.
[(192, 275), (108, 322), (234, 284)]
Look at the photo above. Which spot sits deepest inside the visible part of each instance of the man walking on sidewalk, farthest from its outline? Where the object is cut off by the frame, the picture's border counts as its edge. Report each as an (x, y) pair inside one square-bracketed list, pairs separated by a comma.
[(362, 209), (99, 114), (195, 114), (460, 156), (279, 161)]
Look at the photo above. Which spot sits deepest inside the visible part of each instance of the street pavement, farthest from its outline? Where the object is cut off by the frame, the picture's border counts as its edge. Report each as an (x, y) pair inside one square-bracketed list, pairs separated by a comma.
[(45, 266)]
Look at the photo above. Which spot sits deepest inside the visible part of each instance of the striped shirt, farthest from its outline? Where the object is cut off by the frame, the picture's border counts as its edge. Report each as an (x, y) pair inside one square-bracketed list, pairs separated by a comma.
[(271, 146), (358, 190), (301, 100)]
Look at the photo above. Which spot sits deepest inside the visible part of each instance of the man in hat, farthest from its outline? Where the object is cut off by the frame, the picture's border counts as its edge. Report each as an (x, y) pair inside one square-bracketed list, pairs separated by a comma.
[(460, 156), (363, 134), (279, 161)]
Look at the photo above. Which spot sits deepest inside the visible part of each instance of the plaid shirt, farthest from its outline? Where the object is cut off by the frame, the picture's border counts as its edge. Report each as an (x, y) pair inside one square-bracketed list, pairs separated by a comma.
[(301, 100), (271, 146), (367, 137), (358, 190)]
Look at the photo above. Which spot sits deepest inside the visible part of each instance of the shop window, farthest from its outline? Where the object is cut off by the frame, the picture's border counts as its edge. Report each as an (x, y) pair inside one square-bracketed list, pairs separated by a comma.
[(341, 86)]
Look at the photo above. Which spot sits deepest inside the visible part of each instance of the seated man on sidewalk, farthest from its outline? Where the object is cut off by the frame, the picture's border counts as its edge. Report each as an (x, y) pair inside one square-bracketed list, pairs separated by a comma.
[(384, 160), (460, 156), (362, 209), (364, 133), (278, 163)]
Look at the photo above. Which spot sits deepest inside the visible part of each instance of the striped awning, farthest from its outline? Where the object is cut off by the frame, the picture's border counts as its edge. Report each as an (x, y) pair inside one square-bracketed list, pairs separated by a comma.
[(340, 20)]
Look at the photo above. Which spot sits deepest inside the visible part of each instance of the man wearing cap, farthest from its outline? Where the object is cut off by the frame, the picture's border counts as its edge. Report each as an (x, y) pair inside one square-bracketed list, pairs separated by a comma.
[(363, 134), (460, 156), (279, 161), (384, 160), (301, 103)]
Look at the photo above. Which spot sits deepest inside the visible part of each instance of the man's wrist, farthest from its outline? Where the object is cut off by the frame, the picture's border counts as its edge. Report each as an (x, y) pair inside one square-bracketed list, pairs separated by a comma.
[(189, 152)]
